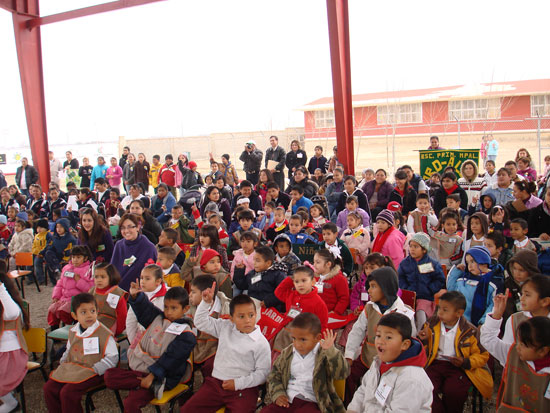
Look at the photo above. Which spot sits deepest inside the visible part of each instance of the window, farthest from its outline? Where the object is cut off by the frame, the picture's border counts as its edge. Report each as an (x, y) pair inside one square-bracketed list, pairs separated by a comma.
[(474, 109), (540, 105), (392, 114), (324, 118)]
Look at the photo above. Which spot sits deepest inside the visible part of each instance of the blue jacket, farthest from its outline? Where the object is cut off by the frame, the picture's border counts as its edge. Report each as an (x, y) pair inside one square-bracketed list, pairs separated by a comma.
[(303, 201), (172, 364), (61, 245), (156, 207), (424, 284), (99, 171), (502, 195), (262, 288), (300, 238)]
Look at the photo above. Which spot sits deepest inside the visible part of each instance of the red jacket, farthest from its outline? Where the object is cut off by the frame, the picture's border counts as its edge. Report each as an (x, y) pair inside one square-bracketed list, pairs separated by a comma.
[(335, 291), (308, 303), (167, 174)]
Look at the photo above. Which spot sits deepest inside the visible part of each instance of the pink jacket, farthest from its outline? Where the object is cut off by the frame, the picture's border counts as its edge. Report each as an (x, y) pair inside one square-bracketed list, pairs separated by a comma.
[(239, 258), (66, 287), (358, 238), (179, 176), (116, 171), (394, 247)]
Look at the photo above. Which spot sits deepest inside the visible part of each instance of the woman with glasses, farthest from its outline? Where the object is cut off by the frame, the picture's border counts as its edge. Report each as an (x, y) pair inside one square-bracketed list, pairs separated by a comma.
[(133, 251)]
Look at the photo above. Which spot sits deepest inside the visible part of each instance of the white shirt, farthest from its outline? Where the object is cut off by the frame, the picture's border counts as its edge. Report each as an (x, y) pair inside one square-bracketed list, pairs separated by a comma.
[(23, 182), (521, 244), (245, 358), (447, 342), (301, 375), (8, 339)]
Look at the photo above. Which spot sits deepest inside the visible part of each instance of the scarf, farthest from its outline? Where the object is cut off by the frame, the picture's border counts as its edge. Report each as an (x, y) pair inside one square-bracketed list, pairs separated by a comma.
[(451, 189), (479, 303), (226, 170), (542, 363), (381, 239)]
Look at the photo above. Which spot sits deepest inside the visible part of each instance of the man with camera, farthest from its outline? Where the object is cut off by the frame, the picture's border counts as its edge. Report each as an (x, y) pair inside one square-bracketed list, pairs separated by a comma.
[(252, 159)]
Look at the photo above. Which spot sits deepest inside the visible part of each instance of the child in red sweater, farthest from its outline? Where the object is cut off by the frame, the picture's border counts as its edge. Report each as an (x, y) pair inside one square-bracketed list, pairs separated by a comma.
[(331, 284)]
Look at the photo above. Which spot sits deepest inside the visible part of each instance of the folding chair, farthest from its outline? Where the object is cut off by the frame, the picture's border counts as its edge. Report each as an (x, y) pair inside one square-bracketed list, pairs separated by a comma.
[(36, 344), (23, 259), (409, 298)]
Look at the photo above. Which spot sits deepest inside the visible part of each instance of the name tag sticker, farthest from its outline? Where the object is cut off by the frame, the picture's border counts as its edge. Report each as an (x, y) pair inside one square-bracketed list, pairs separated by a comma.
[(300, 155), (175, 328), (425, 268), (69, 274), (91, 345), (452, 240), (112, 300), (293, 313), (320, 286), (100, 248), (364, 296), (129, 261), (255, 279), (382, 393)]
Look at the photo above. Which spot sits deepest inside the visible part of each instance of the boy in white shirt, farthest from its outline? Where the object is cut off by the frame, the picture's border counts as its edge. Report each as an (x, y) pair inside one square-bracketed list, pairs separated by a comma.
[(242, 362)]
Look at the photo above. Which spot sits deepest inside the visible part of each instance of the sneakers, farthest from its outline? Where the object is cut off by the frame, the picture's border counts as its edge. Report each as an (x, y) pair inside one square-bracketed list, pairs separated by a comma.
[(158, 388)]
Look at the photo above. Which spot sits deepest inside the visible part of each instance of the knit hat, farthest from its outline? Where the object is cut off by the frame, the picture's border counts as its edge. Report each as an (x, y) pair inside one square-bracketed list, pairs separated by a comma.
[(43, 223), (527, 259), (192, 164), (394, 206), (212, 207), (3, 219), (23, 216), (481, 255), (386, 215), (207, 255), (242, 201), (422, 239), (386, 278)]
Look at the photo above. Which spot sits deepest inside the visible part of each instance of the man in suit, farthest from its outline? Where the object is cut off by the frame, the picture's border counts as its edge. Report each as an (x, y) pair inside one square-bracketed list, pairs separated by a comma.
[(277, 154)]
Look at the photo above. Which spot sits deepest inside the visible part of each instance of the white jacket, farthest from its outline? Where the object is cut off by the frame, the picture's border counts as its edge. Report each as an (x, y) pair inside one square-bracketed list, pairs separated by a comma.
[(21, 242), (411, 390), (359, 330)]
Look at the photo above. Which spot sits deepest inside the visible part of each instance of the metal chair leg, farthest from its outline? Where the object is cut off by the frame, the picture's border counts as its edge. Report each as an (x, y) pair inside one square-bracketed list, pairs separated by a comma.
[(119, 401)]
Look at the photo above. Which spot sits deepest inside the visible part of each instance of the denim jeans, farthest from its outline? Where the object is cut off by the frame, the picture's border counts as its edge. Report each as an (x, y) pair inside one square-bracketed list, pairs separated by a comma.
[(38, 269)]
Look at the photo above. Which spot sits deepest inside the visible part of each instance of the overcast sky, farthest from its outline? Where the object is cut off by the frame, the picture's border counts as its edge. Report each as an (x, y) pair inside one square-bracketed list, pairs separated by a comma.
[(182, 67)]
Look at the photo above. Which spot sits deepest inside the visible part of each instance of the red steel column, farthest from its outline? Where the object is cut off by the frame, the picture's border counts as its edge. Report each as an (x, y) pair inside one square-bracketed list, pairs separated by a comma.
[(338, 30), (29, 55)]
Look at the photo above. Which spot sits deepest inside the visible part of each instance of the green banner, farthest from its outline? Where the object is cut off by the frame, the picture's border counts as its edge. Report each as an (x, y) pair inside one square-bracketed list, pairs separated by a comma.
[(437, 161)]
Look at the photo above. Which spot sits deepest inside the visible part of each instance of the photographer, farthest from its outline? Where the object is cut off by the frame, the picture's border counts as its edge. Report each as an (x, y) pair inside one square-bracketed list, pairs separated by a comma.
[(252, 159)]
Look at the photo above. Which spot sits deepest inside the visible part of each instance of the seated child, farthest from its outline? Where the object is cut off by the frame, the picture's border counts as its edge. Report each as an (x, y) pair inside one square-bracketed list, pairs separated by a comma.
[(360, 349), (57, 254), (422, 219), (337, 247), (396, 381), (55, 202), (453, 349), (170, 271), (355, 236), (5, 236), (42, 239), (359, 296), (112, 205), (12, 216), (245, 255), (297, 199), (317, 218), (76, 278), (389, 241), (266, 217), (307, 226), (209, 238), (296, 233), (446, 242), (262, 281), (331, 285), (180, 223), (300, 380), (246, 219), (520, 267), (453, 203), (279, 226), (477, 228), (242, 361), (154, 289), (477, 282), (91, 350), (110, 298), (486, 203), (218, 222), (168, 238), (207, 345), (525, 361), (284, 255), (208, 262), (159, 360), (496, 244), (518, 232), (423, 275), (21, 240), (352, 205)]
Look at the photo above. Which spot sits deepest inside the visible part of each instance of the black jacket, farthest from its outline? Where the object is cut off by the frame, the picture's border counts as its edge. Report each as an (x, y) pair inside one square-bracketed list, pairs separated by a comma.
[(264, 288), (252, 161), (295, 159), (283, 200), (409, 201), (361, 200), (310, 188), (31, 176), (315, 163), (539, 222), (279, 155), (255, 202), (189, 177), (172, 364), (440, 197)]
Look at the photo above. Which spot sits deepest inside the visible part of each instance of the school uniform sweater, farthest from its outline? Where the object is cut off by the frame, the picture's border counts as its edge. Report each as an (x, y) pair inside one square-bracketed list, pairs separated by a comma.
[(133, 328)]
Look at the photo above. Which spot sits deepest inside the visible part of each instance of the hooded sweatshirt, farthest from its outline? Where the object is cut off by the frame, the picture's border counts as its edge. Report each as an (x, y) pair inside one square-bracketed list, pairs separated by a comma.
[(410, 388), (62, 244), (473, 187)]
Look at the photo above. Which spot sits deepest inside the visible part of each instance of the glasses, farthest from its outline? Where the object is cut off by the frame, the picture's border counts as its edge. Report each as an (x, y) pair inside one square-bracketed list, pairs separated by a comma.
[(129, 227)]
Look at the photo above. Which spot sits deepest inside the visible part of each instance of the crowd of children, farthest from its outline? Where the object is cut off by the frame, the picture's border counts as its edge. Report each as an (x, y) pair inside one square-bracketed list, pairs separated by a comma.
[(406, 307)]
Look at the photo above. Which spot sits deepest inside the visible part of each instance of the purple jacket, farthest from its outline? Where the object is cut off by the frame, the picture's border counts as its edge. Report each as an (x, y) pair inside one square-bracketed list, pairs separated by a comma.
[(135, 253), (355, 296), (383, 192), (342, 220)]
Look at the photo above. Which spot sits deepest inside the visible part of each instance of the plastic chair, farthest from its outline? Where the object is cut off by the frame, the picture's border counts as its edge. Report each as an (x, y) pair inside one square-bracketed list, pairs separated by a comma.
[(36, 344), (172, 396), (23, 259), (89, 403), (409, 298)]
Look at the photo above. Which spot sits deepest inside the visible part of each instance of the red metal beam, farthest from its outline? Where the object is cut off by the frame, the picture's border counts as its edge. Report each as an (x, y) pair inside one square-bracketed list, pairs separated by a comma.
[(338, 30), (17, 6), (29, 55), (86, 11)]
